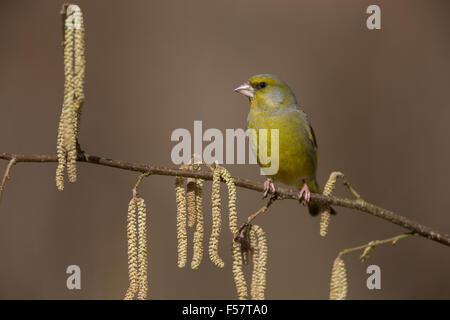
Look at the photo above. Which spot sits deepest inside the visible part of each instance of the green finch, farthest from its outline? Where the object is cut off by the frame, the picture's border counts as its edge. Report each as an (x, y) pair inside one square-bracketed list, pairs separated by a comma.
[(274, 106)]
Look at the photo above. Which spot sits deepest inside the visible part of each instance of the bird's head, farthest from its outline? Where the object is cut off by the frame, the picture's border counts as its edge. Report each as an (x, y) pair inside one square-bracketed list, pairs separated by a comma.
[(267, 91)]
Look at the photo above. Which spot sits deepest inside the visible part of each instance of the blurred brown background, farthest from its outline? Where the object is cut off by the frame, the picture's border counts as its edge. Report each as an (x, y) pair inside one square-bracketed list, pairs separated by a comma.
[(378, 100)]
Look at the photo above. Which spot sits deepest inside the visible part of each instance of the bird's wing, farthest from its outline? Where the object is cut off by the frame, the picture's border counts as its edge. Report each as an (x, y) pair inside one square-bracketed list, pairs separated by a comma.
[(312, 136), (303, 118)]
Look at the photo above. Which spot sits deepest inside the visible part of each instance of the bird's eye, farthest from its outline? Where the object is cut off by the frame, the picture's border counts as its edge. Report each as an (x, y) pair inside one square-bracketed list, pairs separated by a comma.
[(261, 85)]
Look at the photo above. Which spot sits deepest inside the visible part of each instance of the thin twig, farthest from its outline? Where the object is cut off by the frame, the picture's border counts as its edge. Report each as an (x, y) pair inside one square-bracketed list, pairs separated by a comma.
[(6, 177), (373, 244), (243, 234), (262, 210), (357, 204), (138, 183)]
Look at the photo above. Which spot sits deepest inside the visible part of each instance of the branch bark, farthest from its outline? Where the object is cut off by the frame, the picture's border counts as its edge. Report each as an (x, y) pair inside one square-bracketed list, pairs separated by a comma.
[(358, 204)]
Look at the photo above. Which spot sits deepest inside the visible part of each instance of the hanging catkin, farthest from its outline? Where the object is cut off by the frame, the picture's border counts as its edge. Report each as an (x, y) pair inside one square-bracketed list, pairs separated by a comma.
[(258, 243), (325, 215), (181, 221), (199, 232), (142, 249), (216, 220), (190, 200), (238, 273), (74, 70), (132, 250), (338, 285), (137, 249)]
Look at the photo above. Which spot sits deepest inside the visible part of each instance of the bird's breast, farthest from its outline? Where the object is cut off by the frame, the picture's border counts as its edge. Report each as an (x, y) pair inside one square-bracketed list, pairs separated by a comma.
[(296, 153)]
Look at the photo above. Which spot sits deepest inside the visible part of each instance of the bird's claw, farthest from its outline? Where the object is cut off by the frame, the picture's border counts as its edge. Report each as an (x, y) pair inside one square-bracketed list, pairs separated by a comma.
[(268, 187), (304, 194)]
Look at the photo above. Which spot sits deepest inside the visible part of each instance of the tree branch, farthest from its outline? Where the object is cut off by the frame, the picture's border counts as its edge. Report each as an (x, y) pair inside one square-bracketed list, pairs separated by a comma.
[(281, 193)]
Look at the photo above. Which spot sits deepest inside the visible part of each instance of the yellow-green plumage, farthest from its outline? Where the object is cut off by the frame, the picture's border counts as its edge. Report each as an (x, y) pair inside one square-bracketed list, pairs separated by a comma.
[(274, 107)]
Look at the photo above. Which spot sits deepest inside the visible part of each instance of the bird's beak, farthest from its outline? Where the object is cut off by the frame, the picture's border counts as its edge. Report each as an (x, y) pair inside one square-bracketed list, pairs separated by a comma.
[(246, 89)]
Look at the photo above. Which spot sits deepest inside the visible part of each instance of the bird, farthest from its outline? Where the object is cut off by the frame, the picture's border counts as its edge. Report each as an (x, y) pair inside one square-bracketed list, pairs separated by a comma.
[(273, 105)]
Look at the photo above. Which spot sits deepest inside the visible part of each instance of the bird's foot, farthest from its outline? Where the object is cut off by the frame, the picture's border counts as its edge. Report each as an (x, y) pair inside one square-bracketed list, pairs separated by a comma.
[(304, 195), (268, 187)]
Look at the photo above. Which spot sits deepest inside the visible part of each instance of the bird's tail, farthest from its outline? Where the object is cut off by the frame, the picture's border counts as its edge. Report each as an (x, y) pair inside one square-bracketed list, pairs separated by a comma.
[(315, 207)]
